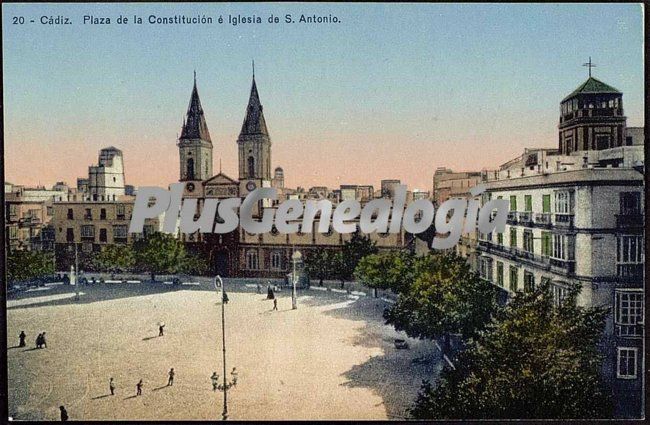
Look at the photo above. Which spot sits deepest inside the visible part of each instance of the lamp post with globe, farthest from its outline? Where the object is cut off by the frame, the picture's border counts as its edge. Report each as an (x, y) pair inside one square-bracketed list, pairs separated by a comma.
[(296, 257)]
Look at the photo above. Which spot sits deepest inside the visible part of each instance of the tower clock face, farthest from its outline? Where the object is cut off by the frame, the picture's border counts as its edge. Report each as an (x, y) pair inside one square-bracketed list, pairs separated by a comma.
[(190, 187), (250, 186)]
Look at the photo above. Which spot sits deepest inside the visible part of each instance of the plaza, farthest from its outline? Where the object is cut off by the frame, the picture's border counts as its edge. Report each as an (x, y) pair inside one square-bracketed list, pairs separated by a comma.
[(332, 358)]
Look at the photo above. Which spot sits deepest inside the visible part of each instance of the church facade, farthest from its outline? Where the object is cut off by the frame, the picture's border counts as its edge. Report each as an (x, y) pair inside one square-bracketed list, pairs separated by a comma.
[(240, 253)]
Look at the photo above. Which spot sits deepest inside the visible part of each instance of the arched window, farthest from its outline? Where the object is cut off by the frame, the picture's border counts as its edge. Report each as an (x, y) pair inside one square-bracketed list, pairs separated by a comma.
[(251, 166), (252, 260), (190, 169), (276, 260)]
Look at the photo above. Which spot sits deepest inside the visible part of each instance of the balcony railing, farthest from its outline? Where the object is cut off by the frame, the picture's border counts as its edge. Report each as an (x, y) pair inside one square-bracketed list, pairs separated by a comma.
[(629, 220), (512, 217), (525, 217), (543, 219), (569, 266), (564, 220), (629, 330), (630, 270), (515, 253)]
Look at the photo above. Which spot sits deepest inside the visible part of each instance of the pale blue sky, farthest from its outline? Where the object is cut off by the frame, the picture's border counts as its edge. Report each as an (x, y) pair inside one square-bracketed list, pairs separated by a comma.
[(391, 91)]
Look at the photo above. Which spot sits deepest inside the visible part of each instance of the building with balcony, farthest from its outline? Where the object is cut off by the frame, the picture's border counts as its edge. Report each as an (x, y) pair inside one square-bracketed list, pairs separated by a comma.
[(577, 218)]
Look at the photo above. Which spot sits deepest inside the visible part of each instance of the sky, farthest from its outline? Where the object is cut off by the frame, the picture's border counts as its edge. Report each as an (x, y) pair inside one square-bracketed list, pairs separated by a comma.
[(390, 91)]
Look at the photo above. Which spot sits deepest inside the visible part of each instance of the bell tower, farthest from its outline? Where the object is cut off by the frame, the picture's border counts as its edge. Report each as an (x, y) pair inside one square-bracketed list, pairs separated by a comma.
[(195, 145), (254, 146)]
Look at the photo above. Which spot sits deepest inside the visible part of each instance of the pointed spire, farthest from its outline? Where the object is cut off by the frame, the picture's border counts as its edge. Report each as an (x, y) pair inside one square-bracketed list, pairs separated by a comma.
[(194, 126), (254, 122)]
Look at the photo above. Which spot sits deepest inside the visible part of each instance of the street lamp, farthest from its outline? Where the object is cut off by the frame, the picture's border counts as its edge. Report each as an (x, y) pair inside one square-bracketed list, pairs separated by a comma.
[(76, 272), (296, 257), (226, 385)]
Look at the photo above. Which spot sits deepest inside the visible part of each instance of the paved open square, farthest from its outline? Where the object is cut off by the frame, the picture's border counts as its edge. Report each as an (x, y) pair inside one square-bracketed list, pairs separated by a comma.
[(332, 358)]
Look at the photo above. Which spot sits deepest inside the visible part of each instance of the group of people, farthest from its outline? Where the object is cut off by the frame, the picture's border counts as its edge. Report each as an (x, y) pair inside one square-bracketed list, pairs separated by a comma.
[(41, 342)]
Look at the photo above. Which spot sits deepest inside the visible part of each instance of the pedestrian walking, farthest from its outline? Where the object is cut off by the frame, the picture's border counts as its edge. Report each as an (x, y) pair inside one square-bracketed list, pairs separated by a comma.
[(225, 298), (111, 385), (269, 293), (275, 303), (171, 374), (64, 413), (161, 326), (43, 341), (39, 339), (138, 388), (215, 381), (22, 337)]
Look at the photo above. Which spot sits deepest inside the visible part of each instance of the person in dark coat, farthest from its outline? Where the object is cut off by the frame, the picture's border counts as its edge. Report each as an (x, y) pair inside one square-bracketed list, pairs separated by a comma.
[(225, 298), (215, 381), (39, 340), (171, 374), (160, 329), (64, 413), (111, 385), (43, 341), (275, 304), (269, 293), (22, 337), (138, 388)]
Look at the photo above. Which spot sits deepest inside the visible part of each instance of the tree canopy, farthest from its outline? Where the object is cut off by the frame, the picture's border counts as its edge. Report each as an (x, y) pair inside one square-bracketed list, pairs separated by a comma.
[(24, 265), (534, 360)]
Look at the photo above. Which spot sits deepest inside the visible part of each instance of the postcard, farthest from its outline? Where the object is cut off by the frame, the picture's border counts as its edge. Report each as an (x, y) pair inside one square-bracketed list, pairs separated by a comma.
[(323, 211)]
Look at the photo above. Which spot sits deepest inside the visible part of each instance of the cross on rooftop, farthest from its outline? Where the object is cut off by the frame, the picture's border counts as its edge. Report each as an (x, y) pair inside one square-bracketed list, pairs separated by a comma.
[(589, 65)]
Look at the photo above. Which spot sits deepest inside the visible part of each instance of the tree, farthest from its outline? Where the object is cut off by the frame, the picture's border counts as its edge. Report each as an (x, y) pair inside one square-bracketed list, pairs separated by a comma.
[(534, 360), (114, 259), (440, 297), (318, 264), (160, 253), (24, 265), (353, 251), (392, 270), (194, 264)]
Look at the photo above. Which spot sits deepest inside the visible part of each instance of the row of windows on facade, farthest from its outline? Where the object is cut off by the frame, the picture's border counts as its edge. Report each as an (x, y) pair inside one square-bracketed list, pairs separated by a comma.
[(120, 213), (278, 260), (629, 202), (630, 254), (119, 232), (574, 105)]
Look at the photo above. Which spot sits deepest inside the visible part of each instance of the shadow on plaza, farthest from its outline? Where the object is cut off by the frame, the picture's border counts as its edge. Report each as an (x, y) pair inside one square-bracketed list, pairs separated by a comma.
[(99, 292), (396, 375)]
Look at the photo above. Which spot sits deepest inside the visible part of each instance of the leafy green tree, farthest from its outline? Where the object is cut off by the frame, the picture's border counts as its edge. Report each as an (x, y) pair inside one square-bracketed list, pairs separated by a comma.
[(392, 270), (534, 360), (114, 259), (194, 264), (352, 252), (23, 265), (160, 253), (445, 297), (318, 264)]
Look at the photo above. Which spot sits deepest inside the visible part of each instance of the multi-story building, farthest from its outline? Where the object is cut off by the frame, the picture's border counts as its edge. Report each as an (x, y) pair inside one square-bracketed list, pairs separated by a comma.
[(577, 219), (388, 187), (86, 226), (28, 212), (449, 184)]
